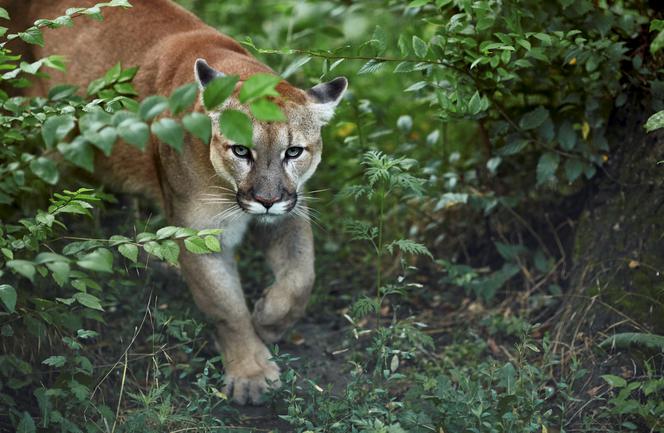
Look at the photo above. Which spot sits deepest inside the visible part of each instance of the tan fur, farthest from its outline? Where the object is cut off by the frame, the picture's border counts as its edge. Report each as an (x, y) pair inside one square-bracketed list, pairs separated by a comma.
[(198, 187)]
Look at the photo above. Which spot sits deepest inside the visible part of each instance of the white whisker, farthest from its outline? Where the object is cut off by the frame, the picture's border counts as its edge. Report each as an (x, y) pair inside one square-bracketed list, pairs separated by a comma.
[(216, 200), (224, 214), (223, 188), (318, 191), (305, 213)]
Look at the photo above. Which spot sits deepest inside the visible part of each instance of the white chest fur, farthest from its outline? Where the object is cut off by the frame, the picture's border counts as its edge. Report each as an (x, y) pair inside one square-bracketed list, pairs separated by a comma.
[(233, 231)]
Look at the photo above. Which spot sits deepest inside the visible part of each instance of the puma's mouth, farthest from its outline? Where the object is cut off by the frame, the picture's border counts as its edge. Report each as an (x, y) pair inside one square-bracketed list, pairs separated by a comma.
[(254, 207)]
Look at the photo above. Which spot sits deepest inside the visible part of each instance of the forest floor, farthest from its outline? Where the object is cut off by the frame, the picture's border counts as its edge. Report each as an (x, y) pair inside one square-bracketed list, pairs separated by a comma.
[(161, 330)]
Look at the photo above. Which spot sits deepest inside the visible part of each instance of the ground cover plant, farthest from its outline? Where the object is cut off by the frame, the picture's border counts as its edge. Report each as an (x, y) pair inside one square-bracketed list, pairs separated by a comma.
[(488, 228)]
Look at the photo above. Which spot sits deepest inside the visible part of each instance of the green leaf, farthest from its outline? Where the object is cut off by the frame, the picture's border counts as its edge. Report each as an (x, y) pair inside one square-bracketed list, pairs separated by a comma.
[(420, 47), (104, 139), (129, 251), (84, 334), (614, 381), (145, 236), (547, 166), (371, 66), (55, 361), (125, 89), (296, 65), (259, 85), (32, 36), (78, 152), (514, 146), (152, 106), (153, 248), (205, 232), (79, 390), (170, 132), (26, 424), (4, 14), (573, 169), (218, 90), (267, 111), (237, 127), (379, 40), (417, 3), (88, 300), (171, 251), (45, 169), (534, 119), (120, 3), (100, 260), (127, 74), (656, 25), (183, 97), (56, 128), (62, 91), (60, 272), (655, 121), (199, 125), (657, 43), (113, 74), (95, 86), (134, 132), (475, 104), (22, 267), (8, 297), (166, 232), (196, 245), (567, 136), (212, 243)]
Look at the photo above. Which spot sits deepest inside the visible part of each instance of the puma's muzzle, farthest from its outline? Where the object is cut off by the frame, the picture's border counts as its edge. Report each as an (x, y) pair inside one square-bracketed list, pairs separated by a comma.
[(271, 201)]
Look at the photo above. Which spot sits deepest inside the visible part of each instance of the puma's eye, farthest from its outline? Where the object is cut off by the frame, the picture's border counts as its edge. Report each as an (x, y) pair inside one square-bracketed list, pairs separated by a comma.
[(240, 151), (294, 152)]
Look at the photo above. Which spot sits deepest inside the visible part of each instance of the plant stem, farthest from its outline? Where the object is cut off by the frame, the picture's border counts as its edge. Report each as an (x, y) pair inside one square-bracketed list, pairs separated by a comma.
[(379, 255)]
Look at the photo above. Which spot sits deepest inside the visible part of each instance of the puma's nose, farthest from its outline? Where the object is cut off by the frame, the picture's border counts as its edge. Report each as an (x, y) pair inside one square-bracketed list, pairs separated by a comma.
[(266, 201)]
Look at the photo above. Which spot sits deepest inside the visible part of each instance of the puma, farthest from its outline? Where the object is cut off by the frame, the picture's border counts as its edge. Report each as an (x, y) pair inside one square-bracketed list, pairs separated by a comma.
[(257, 189)]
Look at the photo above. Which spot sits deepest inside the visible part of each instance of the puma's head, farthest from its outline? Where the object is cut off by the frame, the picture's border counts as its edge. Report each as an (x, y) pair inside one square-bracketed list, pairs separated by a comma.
[(267, 177)]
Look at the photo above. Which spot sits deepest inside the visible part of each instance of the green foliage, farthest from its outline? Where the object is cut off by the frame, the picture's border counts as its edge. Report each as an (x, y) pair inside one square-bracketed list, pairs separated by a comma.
[(655, 121), (218, 90), (236, 126), (460, 116), (637, 402)]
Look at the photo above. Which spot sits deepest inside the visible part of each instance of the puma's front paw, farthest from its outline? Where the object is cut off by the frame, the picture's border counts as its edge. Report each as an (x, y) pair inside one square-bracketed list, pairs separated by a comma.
[(248, 378), (272, 316)]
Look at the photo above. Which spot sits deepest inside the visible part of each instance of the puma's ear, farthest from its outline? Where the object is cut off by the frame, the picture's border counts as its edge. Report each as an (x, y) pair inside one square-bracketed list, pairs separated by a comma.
[(327, 96), (205, 73)]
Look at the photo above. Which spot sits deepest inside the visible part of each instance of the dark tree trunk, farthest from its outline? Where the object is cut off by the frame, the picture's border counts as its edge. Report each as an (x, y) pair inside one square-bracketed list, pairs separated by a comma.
[(617, 282)]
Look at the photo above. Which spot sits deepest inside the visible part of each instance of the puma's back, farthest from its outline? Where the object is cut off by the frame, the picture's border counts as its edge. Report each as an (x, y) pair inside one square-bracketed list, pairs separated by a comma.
[(159, 36)]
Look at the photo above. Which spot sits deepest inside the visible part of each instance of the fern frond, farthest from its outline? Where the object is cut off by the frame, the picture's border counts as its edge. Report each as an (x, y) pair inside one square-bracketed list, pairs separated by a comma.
[(626, 339), (409, 247), (360, 230)]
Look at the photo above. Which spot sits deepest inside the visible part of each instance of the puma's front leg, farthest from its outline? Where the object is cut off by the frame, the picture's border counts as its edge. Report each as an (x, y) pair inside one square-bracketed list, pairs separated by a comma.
[(215, 284), (290, 255)]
